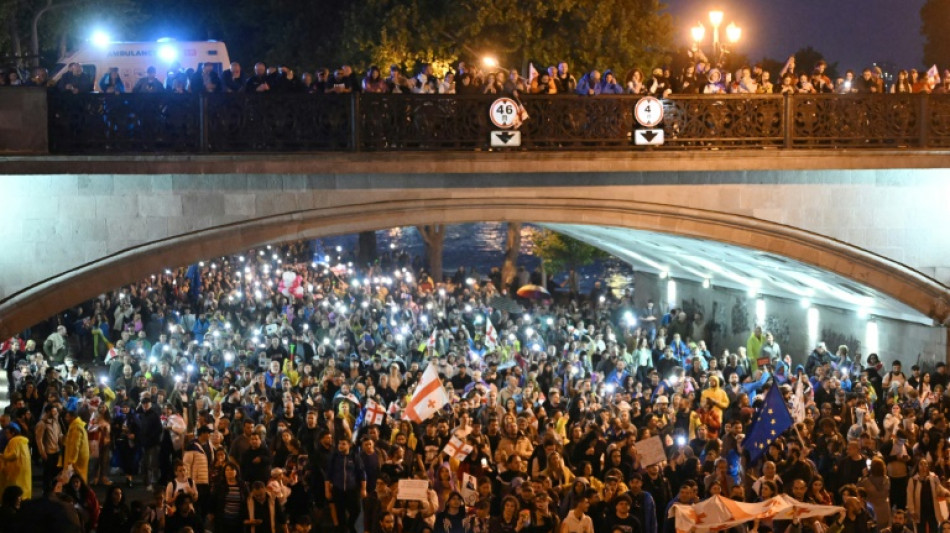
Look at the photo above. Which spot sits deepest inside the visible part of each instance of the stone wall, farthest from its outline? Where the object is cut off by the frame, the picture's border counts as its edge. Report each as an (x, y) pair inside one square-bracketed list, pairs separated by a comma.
[(23, 124), (63, 216)]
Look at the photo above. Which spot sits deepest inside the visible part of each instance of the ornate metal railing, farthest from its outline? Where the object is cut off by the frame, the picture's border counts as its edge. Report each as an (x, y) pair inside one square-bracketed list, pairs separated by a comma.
[(131, 123), (227, 123)]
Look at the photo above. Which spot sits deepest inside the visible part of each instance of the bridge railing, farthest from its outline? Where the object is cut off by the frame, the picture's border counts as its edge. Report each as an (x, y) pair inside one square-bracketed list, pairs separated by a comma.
[(229, 123)]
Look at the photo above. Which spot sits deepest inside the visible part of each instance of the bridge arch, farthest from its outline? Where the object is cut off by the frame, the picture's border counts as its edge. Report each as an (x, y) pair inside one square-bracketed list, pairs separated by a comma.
[(891, 278)]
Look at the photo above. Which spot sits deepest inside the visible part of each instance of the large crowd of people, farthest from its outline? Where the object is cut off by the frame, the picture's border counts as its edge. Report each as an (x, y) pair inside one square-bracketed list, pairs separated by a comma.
[(281, 391), (698, 76)]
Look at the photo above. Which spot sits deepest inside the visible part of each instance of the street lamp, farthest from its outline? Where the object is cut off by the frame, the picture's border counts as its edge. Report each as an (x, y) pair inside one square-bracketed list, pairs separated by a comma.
[(490, 62), (698, 31), (733, 33)]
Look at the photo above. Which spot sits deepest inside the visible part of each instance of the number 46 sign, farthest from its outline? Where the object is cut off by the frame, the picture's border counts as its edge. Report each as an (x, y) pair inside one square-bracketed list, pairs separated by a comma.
[(505, 113)]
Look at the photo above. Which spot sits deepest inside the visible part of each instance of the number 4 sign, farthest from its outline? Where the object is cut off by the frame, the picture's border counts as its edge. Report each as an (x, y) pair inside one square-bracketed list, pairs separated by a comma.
[(504, 113), (648, 112)]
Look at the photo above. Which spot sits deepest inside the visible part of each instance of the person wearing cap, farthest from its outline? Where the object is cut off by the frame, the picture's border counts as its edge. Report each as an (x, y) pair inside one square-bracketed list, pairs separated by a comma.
[(150, 438), (76, 448), (17, 463)]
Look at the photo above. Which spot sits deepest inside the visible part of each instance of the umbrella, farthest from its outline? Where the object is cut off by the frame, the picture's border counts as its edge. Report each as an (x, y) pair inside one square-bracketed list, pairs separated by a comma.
[(533, 292), (503, 303)]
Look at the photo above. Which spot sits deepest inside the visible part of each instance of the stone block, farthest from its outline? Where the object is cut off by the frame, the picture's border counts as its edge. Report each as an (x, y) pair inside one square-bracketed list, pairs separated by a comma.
[(95, 184), (157, 228), (294, 182), (240, 204), (81, 230), (117, 206), (160, 205), (76, 207), (161, 183), (202, 204), (94, 250), (265, 182), (38, 229), (131, 229)]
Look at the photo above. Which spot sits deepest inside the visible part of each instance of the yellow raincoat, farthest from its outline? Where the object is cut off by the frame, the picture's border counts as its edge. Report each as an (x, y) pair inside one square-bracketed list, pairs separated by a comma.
[(17, 469), (76, 451)]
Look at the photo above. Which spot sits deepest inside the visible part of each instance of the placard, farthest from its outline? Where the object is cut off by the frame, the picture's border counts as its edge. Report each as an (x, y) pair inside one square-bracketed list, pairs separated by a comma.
[(651, 451), (413, 489), (469, 489)]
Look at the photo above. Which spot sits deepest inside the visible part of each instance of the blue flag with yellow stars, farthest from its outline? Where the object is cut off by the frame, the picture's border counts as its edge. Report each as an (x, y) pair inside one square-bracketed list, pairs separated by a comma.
[(770, 421)]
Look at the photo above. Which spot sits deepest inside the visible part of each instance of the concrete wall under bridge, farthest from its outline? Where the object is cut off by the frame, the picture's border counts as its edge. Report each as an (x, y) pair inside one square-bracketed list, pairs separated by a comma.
[(74, 227)]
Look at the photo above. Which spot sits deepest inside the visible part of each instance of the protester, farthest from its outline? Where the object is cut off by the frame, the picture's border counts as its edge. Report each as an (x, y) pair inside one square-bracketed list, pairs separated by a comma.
[(295, 380)]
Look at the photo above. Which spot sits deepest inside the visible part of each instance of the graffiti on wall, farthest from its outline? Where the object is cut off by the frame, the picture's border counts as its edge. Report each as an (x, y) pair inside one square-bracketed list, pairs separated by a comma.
[(740, 317), (780, 328), (833, 339)]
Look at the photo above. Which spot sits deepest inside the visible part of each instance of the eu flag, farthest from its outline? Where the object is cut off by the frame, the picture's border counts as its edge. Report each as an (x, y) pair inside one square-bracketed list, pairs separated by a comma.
[(770, 421)]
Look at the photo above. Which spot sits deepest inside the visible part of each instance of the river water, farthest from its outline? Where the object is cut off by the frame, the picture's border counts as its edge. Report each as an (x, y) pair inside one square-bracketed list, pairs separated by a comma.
[(482, 246)]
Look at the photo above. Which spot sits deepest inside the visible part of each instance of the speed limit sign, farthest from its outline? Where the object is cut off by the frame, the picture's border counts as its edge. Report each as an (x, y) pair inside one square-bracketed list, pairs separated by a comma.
[(503, 113)]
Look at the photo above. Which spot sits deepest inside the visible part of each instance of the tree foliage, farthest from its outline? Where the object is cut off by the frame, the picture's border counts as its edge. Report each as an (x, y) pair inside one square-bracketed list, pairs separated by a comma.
[(935, 27), (61, 25), (806, 58), (560, 252), (618, 34)]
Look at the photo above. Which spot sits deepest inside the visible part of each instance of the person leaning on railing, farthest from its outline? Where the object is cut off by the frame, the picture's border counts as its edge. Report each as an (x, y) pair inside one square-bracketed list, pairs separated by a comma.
[(374, 82), (543, 84), (75, 81)]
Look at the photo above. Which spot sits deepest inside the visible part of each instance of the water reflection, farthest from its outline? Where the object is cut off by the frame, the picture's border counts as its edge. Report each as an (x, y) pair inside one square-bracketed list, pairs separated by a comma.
[(482, 246)]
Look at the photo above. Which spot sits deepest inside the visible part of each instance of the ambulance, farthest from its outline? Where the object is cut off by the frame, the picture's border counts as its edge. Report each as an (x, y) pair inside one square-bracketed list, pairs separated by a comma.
[(132, 59)]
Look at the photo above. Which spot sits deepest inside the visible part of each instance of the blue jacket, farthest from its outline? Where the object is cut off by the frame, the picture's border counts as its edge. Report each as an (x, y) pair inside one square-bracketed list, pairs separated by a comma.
[(584, 85), (647, 514), (345, 472), (754, 387), (608, 88), (201, 327)]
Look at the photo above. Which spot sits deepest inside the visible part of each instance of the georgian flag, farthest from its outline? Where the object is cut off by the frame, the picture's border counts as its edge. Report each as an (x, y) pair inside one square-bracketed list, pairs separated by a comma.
[(457, 449), (428, 397), (798, 402), (430, 344), (934, 73), (375, 415), (491, 336)]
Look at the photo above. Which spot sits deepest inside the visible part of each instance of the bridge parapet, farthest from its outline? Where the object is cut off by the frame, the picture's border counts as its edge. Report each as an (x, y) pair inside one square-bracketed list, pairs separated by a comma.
[(282, 123)]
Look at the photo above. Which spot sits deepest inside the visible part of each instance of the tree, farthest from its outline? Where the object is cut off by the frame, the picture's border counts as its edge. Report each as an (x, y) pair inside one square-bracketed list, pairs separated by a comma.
[(609, 33), (50, 26), (366, 248), (935, 27), (806, 59), (559, 252), (512, 251), (434, 238)]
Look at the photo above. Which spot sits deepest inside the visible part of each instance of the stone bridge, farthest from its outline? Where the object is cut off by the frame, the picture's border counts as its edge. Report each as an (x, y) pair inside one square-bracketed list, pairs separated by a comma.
[(73, 227)]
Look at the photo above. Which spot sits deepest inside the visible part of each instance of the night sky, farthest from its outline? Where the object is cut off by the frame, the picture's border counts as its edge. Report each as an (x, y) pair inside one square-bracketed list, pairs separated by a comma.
[(855, 33)]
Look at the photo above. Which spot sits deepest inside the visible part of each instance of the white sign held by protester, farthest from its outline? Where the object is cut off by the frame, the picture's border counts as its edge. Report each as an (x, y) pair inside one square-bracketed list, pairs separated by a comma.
[(413, 489), (651, 451)]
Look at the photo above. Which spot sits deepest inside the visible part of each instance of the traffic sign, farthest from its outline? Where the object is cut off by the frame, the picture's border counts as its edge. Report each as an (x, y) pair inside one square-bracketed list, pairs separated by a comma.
[(501, 139), (648, 137), (503, 113), (648, 112)]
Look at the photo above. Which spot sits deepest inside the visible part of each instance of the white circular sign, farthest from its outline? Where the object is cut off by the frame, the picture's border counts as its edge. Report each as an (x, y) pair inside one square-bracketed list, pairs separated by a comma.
[(503, 113), (649, 112)]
